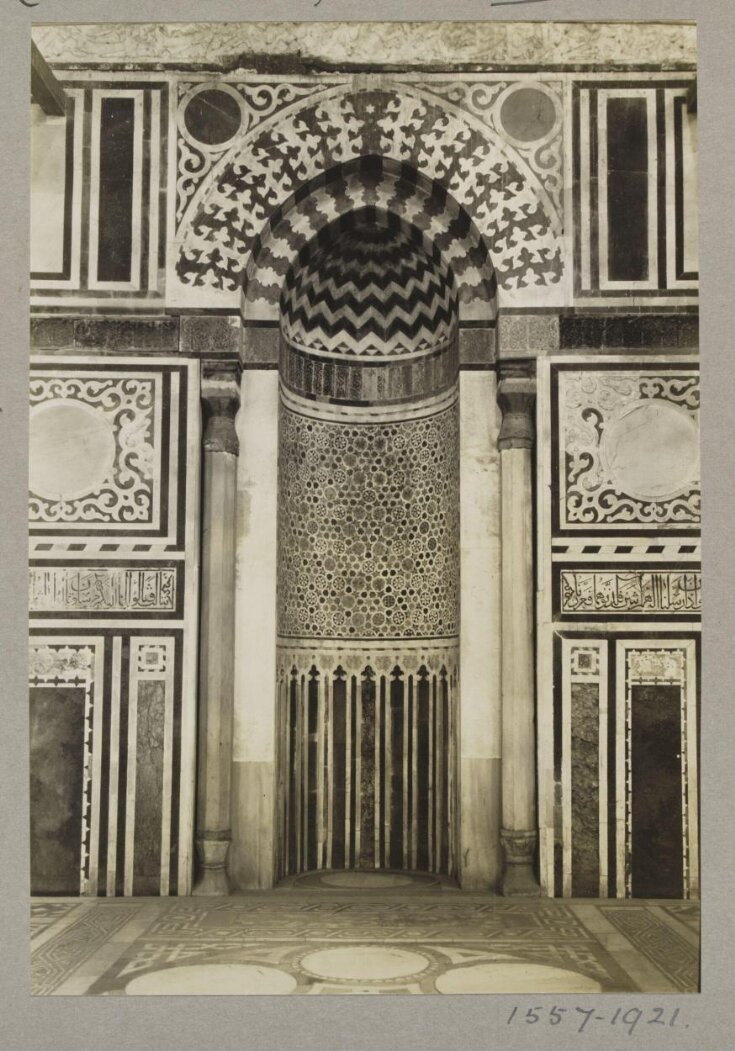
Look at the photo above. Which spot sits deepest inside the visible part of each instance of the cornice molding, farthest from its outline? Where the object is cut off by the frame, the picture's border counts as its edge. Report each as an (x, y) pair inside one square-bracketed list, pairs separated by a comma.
[(250, 45)]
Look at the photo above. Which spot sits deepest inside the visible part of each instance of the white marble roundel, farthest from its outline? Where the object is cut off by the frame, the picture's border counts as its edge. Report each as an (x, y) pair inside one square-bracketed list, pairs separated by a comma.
[(650, 450), (514, 978), (221, 979), (364, 963), (72, 449), (365, 880)]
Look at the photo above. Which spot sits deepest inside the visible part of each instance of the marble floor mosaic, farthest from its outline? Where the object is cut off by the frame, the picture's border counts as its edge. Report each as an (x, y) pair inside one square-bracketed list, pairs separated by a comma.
[(323, 935)]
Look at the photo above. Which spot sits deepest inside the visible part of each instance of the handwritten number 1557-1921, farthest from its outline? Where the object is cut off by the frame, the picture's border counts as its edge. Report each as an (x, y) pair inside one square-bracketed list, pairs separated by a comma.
[(582, 1017)]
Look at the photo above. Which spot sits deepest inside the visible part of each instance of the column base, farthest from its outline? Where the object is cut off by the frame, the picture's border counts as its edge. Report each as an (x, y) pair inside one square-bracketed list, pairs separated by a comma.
[(212, 879), (519, 880)]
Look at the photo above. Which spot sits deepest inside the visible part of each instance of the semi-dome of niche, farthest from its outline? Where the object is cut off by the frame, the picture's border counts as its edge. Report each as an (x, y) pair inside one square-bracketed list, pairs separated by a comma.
[(368, 314)]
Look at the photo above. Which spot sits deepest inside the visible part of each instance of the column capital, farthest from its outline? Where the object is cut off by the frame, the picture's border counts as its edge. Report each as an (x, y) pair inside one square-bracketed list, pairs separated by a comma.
[(220, 395), (516, 398)]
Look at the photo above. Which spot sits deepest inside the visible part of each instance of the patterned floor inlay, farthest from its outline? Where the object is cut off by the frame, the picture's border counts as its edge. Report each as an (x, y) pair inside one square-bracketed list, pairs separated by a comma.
[(58, 958), (307, 942), (666, 949), (686, 912), (45, 913)]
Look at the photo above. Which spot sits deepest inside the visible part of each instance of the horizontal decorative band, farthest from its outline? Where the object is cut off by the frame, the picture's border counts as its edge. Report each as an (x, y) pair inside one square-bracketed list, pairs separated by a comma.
[(102, 589), (326, 410), (409, 656), (373, 356), (614, 591)]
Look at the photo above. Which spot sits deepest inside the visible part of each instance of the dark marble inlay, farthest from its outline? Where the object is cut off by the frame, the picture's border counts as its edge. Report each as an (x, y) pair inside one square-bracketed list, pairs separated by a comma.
[(657, 847), (115, 244), (213, 116), (627, 189), (57, 773), (149, 786), (585, 789)]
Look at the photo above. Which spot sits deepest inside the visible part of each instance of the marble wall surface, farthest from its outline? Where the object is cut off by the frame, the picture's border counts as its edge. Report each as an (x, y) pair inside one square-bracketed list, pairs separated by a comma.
[(619, 608), (113, 508), (560, 200)]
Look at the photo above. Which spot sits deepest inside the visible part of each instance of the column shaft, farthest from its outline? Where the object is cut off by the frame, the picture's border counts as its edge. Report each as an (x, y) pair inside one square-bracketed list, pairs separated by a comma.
[(519, 832), (220, 397)]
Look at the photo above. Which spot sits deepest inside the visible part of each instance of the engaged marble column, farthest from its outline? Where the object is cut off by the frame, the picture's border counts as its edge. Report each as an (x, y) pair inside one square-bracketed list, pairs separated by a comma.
[(516, 394), (220, 402)]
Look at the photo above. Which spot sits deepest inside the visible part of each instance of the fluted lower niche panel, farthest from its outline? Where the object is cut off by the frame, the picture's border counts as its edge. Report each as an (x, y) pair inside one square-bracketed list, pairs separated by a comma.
[(368, 553), (367, 771)]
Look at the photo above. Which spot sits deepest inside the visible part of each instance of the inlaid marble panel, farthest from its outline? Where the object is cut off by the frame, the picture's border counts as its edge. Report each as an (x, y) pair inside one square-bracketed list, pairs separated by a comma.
[(114, 506), (628, 449)]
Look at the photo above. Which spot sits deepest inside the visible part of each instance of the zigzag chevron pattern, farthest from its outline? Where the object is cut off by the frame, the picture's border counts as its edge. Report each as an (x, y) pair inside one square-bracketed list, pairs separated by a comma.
[(367, 288), (378, 185)]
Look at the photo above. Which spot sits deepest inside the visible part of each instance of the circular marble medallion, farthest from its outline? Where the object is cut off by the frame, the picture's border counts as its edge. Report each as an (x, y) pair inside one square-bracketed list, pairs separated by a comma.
[(528, 114), (365, 880), (364, 963), (514, 978), (212, 116), (72, 449), (223, 979), (650, 450)]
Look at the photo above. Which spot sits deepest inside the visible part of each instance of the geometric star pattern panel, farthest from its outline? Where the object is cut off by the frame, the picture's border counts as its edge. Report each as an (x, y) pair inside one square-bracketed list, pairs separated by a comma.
[(619, 620), (112, 595)]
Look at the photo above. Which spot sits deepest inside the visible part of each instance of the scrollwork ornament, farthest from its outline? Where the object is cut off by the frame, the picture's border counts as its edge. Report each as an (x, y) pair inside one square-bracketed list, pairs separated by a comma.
[(128, 404), (594, 408)]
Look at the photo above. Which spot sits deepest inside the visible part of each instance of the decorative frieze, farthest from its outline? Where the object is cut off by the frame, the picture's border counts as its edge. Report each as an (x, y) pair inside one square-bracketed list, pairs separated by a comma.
[(630, 591), (102, 589)]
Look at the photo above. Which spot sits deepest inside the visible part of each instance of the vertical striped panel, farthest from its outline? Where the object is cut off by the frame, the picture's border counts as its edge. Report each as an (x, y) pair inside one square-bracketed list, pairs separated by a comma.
[(368, 771)]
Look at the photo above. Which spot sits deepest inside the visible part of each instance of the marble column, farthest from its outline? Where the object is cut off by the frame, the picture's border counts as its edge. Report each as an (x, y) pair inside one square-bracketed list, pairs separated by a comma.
[(519, 834), (220, 402)]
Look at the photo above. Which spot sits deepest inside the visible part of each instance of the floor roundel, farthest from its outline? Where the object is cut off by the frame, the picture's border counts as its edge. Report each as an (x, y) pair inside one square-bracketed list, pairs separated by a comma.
[(365, 880), (224, 979), (504, 977), (364, 963)]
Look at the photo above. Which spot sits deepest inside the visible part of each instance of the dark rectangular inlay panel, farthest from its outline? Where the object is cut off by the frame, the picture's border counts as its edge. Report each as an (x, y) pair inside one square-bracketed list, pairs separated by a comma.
[(627, 189), (57, 782), (115, 238), (149, 786), (585, 761), (657, 824)]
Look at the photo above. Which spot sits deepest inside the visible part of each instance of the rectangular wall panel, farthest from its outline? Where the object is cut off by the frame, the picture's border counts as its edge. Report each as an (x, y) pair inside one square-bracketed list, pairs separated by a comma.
[(116, 190), (57, 719), (115, 619), (619, 604), (627, 174), (113, 214), (634, 193), (656, 791)]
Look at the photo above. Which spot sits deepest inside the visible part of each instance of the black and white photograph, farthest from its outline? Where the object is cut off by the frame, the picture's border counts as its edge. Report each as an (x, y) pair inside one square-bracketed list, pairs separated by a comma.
[(364, 510)]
